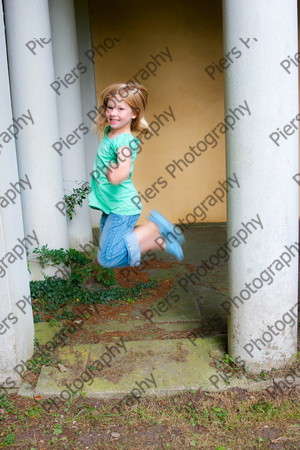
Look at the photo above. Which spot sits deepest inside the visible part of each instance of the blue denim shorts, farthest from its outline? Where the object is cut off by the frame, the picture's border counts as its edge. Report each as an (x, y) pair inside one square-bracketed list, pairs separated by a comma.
[(118, 245)]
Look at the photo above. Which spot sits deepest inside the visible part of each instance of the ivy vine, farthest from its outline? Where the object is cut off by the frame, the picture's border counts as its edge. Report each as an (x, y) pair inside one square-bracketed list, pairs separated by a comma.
[(55, 296), (76, 198)]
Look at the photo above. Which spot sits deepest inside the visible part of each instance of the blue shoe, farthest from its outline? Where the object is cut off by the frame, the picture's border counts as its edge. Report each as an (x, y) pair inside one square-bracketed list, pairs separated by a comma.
[(173, 247), (165, 227)]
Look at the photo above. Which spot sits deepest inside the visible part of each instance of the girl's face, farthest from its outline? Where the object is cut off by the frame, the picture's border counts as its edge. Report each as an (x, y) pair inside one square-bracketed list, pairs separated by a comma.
[(119, 115)]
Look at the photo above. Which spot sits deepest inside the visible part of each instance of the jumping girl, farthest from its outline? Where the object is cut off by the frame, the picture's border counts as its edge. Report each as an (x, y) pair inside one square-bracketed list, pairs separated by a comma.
[(121, 243)]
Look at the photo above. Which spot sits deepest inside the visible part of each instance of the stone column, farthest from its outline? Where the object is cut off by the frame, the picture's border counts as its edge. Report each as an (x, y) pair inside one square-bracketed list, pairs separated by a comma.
[(66, 86), (16, 324), (88, 90), (35, 120), (262, 154)]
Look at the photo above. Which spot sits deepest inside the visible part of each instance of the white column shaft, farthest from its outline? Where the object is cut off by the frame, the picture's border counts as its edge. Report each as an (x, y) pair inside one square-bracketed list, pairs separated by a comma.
[(263, 292), (35, 119), (88, 91), (16, 324), (73, 130)]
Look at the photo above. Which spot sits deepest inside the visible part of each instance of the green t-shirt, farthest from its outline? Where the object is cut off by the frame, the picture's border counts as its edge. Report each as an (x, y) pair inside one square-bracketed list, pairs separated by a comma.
[(108, 197)]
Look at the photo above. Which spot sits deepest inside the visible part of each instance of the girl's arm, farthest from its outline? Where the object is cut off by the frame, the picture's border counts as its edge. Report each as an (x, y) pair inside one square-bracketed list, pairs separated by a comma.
[(119, 171)]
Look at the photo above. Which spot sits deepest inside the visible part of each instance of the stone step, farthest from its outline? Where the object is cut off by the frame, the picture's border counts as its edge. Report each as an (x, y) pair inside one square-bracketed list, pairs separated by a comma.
[(125, 368)]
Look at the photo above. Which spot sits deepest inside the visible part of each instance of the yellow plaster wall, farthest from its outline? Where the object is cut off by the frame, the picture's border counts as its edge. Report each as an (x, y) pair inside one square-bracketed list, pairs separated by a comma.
[(192, 33)]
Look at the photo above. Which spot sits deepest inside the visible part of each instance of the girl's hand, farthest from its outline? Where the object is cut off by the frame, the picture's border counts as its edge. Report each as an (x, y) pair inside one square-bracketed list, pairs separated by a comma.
[(119, 171)]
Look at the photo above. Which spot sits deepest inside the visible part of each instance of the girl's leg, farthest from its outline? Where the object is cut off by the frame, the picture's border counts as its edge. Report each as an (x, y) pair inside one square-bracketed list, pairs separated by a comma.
[(118, 246), (121, 244), (159, 233), (149, 237)]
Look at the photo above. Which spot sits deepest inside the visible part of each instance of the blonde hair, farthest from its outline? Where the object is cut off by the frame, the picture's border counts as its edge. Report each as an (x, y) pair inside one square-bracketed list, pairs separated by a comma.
[(134, 94)]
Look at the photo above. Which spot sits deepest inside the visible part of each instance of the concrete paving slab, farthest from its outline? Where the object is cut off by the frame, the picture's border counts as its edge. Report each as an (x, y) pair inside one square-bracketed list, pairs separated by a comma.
[(51, 381), (147, 368), (175, 272), (176, 364), (114, 325), (183, 326), (25, 390), (200, 246), (75, 355), (44, 332), (180, 306), (132, 325)]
